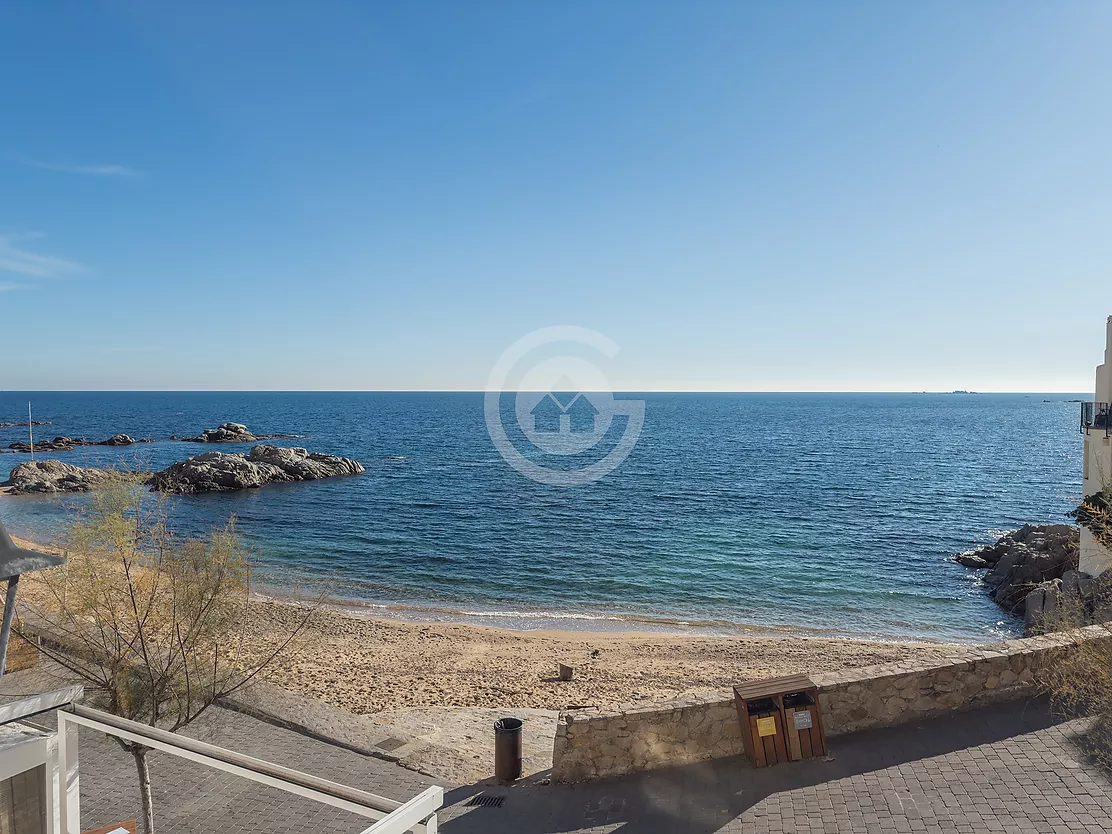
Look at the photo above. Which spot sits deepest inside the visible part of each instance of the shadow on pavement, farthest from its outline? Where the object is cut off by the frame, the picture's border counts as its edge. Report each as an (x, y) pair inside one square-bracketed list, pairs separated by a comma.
[(703, 798)]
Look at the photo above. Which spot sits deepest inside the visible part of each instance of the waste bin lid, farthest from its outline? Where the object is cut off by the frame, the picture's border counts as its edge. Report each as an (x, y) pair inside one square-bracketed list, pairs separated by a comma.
[(507, 725)]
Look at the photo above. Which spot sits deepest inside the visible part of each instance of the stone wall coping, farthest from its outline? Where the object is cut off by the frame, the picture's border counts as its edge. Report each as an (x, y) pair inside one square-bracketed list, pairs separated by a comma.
[(958, 661)]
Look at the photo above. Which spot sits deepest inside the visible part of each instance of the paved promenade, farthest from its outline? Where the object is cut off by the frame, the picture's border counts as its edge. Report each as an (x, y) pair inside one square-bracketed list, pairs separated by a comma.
[(1013, 768)]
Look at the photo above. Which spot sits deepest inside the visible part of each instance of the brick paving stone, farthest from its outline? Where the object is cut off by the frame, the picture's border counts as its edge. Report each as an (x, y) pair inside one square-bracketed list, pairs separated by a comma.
[(1013, 767)]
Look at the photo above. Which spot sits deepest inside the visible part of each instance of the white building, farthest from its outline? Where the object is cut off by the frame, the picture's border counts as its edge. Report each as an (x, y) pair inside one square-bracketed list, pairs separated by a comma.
[(1096, 424)]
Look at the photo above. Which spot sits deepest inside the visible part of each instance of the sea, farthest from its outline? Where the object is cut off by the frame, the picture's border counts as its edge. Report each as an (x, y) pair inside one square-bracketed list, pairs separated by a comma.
[(806, 514)]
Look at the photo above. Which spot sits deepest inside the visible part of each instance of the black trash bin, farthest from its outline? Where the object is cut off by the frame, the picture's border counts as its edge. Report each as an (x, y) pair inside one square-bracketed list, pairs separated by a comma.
[(507, 749)]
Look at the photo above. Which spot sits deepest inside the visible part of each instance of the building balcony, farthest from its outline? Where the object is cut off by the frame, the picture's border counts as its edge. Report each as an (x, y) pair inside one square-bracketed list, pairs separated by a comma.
[(1096, 416)]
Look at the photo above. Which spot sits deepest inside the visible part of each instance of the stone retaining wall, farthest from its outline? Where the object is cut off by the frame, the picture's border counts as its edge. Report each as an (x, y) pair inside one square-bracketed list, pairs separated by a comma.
[(637, 737)]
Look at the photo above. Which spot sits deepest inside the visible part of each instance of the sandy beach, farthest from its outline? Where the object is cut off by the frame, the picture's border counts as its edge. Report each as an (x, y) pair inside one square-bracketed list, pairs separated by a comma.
[(366, 665), (370, 665)]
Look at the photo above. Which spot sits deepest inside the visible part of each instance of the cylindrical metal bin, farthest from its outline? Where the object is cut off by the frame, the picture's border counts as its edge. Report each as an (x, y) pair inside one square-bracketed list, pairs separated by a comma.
[(507, 749)]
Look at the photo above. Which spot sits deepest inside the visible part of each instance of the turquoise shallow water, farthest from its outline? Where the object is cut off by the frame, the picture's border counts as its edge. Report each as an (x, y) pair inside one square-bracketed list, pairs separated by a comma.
[(819, 513)]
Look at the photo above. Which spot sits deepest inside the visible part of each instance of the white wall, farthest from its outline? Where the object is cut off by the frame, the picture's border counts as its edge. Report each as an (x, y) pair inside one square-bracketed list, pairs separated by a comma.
[(1097, 473)]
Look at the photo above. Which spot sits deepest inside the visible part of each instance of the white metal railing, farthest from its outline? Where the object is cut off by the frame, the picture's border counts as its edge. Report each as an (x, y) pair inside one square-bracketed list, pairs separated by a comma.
[(418, 815)]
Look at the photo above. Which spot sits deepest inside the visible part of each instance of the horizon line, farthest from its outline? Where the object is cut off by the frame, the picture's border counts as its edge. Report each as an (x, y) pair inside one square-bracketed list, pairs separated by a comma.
[(958, 391)]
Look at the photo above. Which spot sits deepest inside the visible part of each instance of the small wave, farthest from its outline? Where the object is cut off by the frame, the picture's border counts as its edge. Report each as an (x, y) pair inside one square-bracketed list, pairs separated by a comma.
[(538, 615)]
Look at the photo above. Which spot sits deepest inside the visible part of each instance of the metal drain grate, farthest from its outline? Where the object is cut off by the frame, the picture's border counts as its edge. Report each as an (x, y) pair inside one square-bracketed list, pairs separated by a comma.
[(485, 801), (390, 744)]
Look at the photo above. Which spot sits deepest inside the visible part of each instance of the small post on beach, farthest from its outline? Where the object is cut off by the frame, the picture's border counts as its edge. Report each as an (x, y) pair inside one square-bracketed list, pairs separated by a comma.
[(565, 672)]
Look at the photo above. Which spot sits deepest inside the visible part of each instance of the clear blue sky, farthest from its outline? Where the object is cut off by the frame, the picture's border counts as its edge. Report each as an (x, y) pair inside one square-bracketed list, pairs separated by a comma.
[(745, 196)]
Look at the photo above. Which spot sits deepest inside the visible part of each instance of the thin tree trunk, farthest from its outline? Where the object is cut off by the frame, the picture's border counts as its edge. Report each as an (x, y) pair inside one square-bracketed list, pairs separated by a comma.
[(140, 754)]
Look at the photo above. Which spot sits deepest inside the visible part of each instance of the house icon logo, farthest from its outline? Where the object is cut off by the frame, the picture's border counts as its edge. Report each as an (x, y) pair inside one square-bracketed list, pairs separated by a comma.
[(570, 428), (564, 414)]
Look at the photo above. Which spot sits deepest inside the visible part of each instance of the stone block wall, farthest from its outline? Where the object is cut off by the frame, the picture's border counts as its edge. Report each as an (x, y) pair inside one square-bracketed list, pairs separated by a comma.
[(637, 737)]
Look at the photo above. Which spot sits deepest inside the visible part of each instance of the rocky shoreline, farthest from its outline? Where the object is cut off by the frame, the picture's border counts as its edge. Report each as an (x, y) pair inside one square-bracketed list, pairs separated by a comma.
[(1033, 573)]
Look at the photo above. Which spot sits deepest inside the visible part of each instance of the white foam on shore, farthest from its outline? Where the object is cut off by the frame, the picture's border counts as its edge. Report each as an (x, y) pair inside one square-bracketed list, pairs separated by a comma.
[(573, 621)]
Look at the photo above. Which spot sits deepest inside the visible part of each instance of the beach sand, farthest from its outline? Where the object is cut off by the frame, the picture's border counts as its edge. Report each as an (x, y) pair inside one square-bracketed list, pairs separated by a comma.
[(370, 665)]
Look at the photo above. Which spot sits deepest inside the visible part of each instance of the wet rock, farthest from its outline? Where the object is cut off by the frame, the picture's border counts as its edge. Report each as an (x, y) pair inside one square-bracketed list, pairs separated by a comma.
[(971, 560), (1028, 557)]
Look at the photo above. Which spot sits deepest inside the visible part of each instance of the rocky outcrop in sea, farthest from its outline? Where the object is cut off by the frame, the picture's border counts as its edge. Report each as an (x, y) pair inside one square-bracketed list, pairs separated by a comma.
[(232, 433), (68, 444), (222, 472), (47, 476), (208, 472), (1031, 570)]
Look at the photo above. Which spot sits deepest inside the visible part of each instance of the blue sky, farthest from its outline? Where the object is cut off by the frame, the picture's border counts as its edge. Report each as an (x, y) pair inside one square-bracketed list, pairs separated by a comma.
[(744, 196)]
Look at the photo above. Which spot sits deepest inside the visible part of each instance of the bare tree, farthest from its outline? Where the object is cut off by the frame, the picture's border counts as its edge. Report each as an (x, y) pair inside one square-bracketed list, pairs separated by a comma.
[(158, 626)]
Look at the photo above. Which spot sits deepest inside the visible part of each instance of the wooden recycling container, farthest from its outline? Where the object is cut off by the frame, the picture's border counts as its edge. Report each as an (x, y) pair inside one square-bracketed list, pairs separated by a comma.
[(780, 719)]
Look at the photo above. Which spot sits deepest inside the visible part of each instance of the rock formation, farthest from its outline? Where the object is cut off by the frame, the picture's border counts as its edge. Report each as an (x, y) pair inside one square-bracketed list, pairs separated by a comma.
[(44, 476), (58, 444), (231, 433), (68, 444), (1029, 568), (224, 433), (221, 472), (118, 440), (24, 424)]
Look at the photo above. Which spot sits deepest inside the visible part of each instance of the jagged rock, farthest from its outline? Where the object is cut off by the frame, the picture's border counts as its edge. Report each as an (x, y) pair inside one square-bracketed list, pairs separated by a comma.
[(24, 424), (224, 433), (1019, 561), (221, 472), (302, 465), (1041, 606), (1071, 584), (971, 560), (68, 444), (58, 444), (118, 440), (52, 476)]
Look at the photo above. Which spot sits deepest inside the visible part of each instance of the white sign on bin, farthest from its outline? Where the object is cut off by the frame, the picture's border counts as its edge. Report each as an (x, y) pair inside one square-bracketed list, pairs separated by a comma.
[(802, 719)]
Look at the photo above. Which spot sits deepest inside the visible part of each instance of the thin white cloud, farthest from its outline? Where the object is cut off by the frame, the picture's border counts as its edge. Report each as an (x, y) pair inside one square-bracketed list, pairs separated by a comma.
[(8, 286), (15, 258), (92, 170), (133, 349)]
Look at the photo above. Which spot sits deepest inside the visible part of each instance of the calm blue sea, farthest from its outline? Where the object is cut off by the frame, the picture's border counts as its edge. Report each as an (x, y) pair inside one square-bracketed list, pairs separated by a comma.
[(811, 513)]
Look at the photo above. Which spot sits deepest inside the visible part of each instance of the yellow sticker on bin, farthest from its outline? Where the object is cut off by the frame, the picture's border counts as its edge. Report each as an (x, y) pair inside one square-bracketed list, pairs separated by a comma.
[(766, 726)]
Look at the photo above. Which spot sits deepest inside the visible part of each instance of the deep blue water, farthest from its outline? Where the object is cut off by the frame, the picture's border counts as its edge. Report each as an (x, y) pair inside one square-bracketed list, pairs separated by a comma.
[(831, 513)]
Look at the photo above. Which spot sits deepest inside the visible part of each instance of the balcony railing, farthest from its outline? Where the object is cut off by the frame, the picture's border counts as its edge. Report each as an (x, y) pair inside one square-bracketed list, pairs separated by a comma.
[(1096, 416)]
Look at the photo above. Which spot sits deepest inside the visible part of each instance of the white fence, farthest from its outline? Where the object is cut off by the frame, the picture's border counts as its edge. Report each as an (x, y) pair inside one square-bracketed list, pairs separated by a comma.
[(418, 815)]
